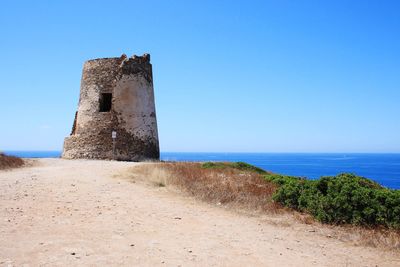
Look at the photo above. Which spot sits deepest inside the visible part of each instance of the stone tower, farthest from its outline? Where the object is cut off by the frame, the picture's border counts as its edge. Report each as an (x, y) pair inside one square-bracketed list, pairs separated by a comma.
[(116, 98)]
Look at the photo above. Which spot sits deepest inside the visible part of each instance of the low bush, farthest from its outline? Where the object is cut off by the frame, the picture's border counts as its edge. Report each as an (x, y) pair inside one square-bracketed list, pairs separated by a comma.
[(341, 199), (243, 166)]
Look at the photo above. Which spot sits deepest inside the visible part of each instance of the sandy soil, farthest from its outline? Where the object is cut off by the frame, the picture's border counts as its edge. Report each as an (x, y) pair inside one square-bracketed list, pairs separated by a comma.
[(83, 213)]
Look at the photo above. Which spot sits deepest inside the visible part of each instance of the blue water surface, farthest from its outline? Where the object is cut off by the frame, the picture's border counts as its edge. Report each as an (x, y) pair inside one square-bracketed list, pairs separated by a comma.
[(383, 168)]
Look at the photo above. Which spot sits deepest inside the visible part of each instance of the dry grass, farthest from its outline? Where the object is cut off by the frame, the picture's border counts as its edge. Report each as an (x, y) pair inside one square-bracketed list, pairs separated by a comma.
[(379, 237), (227, 186), (7, 162), (153, 174)]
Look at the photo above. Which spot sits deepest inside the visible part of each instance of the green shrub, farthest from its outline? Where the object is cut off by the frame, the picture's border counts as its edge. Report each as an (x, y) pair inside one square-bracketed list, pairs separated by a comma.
[(345, 198), (214, 165), (247, 167), (243, 166)]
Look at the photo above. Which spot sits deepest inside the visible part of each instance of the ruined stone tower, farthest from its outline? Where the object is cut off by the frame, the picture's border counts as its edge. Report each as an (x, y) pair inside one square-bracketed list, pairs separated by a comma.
[(116, 98)]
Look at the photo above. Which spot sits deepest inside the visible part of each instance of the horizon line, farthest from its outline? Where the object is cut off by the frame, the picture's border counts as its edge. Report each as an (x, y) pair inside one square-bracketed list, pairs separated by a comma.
[(231, 152)]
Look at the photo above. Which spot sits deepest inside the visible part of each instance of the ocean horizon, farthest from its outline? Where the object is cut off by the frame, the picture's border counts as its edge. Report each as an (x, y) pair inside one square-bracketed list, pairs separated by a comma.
[(383, 168)]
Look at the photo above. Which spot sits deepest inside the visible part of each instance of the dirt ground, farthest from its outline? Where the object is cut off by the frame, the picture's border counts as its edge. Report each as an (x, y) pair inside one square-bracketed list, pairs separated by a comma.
[(85, 213)]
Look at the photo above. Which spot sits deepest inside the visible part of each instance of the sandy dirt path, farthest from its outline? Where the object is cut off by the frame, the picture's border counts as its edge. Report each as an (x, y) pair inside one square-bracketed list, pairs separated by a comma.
[(80, 213)]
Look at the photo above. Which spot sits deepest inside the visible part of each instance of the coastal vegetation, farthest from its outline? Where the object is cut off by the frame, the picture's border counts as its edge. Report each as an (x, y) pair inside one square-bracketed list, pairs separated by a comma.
[(342, 199), (345, 199), (7, 162)]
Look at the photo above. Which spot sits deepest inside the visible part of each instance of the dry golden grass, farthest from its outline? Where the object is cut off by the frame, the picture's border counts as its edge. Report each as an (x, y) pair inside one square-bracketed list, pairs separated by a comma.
[(380, 237), (361, 236), (227, 186), (243, 189), (7, 162)]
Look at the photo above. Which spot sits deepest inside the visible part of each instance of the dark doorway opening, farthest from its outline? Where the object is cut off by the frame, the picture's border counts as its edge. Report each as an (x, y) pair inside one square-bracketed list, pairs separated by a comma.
[(105, 102)]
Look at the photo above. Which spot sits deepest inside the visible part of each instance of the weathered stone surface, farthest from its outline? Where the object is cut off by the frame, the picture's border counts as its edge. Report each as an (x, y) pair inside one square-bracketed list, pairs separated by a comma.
[(132, 114)]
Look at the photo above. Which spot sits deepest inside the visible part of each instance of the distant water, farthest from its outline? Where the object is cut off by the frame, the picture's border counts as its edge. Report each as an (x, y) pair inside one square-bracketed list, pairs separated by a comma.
[(383, 168), (34, 154)]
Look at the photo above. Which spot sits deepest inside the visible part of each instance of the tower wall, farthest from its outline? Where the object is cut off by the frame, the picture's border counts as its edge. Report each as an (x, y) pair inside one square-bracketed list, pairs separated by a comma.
[(132, 115)]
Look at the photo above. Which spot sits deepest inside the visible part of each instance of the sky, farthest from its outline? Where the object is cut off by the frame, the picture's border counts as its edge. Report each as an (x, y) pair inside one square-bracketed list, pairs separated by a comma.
[(229, 76)]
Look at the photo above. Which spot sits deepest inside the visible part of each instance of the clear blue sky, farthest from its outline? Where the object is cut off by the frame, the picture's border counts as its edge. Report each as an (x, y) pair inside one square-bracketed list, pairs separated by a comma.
[(244, 76)]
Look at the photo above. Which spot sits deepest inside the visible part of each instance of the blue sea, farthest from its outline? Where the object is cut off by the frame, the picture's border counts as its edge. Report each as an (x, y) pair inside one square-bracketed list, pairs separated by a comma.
[(383, 168)]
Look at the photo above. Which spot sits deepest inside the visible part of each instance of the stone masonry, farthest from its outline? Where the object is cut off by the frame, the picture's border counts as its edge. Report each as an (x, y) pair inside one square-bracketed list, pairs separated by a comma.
[(116, 95)]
